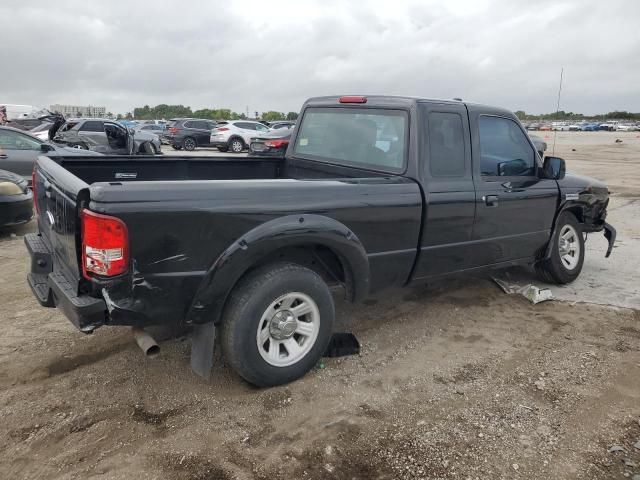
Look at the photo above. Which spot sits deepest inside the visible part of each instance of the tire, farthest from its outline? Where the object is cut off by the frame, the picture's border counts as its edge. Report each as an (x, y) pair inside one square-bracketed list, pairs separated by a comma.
[(246, 323), (236, 145), (189, 144), (223, 149), (567, 252), (147, 149)]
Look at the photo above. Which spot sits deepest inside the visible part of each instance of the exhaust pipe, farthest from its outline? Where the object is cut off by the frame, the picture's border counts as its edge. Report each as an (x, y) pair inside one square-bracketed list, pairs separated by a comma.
[(145, 342)]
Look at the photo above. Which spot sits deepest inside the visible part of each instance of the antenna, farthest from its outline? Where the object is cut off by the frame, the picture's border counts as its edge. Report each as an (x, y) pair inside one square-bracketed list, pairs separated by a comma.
[(555, 132)]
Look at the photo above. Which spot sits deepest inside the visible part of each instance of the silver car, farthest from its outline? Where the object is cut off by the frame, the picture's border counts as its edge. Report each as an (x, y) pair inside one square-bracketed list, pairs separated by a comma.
[(106, 136), (235, 135)]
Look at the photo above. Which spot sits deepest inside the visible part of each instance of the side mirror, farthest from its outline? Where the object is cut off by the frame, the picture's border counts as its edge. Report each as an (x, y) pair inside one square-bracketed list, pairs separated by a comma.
[(554, 168), (46, 148)]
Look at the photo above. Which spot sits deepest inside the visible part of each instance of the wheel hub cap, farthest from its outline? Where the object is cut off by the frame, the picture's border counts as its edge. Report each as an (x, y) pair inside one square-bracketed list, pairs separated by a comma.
[(283, 325)]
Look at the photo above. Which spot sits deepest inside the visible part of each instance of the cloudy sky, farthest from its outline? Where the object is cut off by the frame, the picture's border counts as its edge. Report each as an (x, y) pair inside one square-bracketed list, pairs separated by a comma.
[(272, 54)]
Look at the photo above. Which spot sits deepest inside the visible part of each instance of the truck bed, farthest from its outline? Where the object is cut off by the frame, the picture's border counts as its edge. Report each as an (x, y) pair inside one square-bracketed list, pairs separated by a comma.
[(179, 168), (186, 215)]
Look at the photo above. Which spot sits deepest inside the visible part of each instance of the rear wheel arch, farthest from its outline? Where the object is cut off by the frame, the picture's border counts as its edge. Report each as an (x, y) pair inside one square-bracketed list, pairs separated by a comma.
[(336, 255)]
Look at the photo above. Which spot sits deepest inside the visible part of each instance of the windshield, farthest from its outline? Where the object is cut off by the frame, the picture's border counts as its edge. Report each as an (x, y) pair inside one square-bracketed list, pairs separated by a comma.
[(359, 137)]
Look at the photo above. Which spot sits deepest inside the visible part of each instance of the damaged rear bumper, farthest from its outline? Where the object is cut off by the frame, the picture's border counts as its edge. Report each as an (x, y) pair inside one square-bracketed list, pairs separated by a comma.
[(53, 289)]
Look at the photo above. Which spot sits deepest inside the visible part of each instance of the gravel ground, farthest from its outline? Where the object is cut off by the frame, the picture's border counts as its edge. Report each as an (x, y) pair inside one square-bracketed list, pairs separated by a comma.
[(455, 380)]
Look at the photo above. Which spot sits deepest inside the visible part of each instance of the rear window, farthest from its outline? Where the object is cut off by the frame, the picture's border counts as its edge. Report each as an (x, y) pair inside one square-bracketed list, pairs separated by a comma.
[(358, 137), (92, 126)]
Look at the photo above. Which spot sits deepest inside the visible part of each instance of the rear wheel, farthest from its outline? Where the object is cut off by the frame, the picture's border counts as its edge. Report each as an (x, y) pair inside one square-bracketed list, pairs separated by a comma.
[(189, 144), (567, 252), (277, 324), (236, 145)]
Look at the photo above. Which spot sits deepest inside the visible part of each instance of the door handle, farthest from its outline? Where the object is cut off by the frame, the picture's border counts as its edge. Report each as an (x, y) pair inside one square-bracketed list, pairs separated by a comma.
[(490, 200), (3, 155)]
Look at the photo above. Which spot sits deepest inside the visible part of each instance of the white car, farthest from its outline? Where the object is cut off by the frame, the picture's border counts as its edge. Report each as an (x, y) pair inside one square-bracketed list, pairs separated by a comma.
[(235, 135)]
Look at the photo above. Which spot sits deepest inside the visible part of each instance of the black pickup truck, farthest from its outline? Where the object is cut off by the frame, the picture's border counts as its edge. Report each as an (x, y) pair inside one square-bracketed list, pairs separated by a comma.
[(374, 192)]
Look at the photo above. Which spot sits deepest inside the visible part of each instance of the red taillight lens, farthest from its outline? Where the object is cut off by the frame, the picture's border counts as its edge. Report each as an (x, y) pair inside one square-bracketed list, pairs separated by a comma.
[(221, 129), (353, 99), (33, 188), (276, 143), (105, 245), (173, 130)]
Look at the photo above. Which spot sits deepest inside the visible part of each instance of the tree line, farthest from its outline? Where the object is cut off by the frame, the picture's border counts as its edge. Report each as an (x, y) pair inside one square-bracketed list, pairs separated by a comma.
[(562, 115), (164, 111)]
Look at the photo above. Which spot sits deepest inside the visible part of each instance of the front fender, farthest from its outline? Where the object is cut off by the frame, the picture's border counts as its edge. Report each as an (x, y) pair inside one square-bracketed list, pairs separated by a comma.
[(288, 231)]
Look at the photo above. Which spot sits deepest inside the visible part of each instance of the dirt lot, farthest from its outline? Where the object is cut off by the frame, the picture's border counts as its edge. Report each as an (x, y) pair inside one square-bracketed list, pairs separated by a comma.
[(455, 380)]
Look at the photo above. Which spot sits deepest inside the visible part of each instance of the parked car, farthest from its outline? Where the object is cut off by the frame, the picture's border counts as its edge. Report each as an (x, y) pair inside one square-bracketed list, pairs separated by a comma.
[(545, 128), (608, 127), (574, 128), (253, 245), (155, 128), (19, 151), (281, 124), (16, 199), (106, 136), (539, 144), (589, 127), (235, 135), (273, 143), (188, 133)]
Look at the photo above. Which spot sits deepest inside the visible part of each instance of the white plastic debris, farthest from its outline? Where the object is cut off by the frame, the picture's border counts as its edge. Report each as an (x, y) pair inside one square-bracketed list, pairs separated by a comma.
[(530, 291)]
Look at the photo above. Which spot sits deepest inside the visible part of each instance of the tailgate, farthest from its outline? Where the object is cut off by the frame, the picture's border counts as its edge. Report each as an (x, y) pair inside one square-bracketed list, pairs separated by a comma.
[(56, 194)]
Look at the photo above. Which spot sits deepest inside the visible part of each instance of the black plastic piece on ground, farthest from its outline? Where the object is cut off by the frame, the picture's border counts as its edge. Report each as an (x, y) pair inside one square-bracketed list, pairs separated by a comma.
[(342, 344)]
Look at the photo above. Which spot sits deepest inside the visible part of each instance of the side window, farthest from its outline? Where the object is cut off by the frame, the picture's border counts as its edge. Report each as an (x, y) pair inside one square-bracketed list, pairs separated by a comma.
[(446, 145), (92, 126), (504, 149), (188, 125), (16, 141)]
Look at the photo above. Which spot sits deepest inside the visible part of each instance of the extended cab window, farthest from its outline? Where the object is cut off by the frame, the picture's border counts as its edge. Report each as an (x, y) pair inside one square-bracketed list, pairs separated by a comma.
[(504, 149), (446, 145), (359, 137)]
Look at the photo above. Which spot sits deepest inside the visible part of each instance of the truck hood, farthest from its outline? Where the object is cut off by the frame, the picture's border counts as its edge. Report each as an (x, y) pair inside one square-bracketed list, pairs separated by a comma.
[(573, 182)]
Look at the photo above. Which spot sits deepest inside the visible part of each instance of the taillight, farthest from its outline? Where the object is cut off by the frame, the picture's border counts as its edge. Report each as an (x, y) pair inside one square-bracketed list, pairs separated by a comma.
[(221, 129), (353, 99), (276, 143), (105, 245), (33, 188), (173, 130)]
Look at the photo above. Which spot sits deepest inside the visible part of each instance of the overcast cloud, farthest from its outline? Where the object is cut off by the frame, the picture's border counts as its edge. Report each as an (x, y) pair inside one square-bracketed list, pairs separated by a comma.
[(272, 55)]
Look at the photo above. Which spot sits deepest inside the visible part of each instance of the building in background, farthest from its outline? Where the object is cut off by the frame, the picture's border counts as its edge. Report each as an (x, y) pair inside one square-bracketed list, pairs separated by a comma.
[(79, 111)]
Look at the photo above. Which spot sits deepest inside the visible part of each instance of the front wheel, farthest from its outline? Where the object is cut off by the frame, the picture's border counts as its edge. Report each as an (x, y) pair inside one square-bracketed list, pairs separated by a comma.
[(277, 324), (567, 252)]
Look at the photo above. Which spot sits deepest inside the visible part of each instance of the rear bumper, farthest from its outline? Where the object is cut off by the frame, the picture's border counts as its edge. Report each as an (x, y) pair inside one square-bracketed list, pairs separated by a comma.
[(15, 209), (54, 289)]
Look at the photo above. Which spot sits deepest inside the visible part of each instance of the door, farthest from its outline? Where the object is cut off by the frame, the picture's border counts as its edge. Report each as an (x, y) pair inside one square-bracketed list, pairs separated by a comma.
[(447, 180), (118, 139), (92, 132), (514, 207), (200, 132), (18, 152)]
